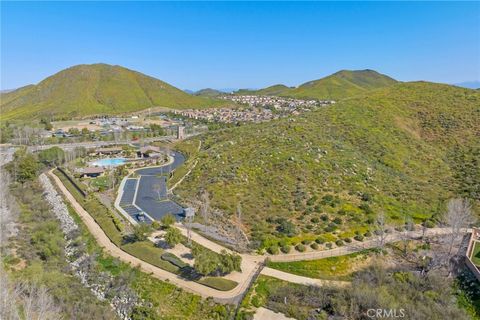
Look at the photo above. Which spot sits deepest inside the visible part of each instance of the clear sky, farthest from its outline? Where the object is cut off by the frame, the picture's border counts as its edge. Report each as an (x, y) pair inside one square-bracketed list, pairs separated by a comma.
[(242, 44)]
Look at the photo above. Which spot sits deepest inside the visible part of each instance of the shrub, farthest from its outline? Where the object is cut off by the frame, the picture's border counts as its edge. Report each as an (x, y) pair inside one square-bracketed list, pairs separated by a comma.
[(328, 245), (306, 242), (367, 234), (347, 240), (366, 208), (273, 249), (173, 236), (429, 224), (168, 220), (339, 242), (286, 248), (141, 232), (314, 246), (173, 259), (358, 237), (337, 220), (315, 220), (320, 241), (156, 225), (331, 227), (324, 217), (286, 227), (300, 248)]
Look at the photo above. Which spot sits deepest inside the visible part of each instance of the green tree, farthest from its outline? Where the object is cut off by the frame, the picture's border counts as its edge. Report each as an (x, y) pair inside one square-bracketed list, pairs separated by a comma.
[(24, 166), (52, 156), (206, 262), (173, 236), (141, 232)]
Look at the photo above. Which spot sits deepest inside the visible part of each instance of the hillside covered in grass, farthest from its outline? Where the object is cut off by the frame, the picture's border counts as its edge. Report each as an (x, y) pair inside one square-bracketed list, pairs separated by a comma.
[(95, 89), (403, 150), (275, 90), (340, 85)]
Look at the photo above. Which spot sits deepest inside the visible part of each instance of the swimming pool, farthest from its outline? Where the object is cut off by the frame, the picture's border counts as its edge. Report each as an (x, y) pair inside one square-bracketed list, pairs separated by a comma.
[(109, 162)]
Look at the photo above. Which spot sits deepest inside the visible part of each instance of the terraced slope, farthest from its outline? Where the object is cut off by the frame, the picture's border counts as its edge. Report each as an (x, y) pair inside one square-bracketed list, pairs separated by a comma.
[(95, 89), (402, 150)]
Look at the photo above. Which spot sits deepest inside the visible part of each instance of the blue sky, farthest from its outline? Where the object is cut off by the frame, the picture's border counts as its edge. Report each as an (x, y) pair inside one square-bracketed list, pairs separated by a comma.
[(242, 44)]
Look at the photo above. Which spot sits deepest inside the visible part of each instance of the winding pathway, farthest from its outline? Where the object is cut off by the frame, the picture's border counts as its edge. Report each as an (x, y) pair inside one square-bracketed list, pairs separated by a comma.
[(250, 263)]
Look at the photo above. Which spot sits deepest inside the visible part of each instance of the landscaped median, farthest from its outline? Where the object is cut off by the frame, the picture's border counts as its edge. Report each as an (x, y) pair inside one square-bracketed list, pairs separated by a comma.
[(143, 250)]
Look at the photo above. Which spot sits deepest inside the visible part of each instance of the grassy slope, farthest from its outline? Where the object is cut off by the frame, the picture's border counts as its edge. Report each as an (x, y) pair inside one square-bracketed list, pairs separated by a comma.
[(95, 89), (208, 92), (341, 85), (333, 268), (275, 90), (394, 145)]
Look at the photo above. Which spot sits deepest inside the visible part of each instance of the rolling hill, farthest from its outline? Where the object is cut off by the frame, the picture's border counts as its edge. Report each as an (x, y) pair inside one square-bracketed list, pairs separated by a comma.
[(95, 89), (275, 90), (340, 85), (343, 84), (208, 92), (403, 150)]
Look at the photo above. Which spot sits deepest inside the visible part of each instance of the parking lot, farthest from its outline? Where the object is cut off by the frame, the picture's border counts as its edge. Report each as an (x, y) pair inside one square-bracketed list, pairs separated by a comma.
[(148, 192)]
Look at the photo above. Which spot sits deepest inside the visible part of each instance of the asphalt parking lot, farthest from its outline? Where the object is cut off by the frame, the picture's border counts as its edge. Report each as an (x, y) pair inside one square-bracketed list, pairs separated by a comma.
[(152, 196)]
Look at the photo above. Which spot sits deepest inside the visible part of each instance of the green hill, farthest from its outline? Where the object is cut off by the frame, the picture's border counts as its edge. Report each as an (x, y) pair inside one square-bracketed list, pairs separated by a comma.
[(275, 90), (342, 84), (95, 89), (403, 150), (208, 92)]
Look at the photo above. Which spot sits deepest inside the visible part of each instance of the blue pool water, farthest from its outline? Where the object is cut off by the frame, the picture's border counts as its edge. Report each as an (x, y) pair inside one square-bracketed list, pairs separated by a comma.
[(109, 162)]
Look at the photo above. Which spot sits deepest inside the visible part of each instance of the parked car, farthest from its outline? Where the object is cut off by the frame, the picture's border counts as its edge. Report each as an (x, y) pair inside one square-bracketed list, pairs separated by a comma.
[(141, 217)]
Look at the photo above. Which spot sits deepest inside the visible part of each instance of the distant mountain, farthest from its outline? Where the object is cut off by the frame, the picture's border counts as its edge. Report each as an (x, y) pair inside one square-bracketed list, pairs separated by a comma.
[(343, 84), (275, 90), (469, 84), (208, 92), (95, 89)]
